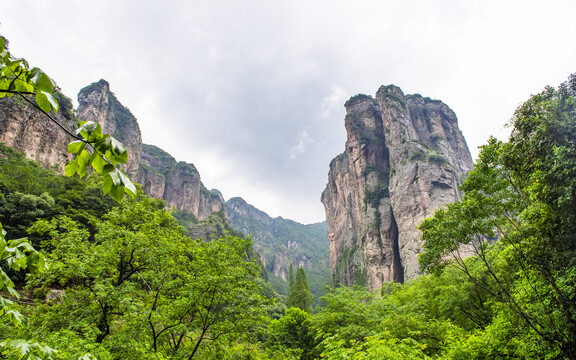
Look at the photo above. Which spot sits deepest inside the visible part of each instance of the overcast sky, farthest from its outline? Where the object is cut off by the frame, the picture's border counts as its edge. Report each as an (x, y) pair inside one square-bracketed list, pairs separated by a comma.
[(252, 91)]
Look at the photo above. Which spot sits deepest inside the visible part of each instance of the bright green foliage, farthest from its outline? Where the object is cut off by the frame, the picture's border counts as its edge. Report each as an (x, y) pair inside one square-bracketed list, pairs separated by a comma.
[(349, 312), (300, 296), (378, 347), (424, 315), (25, 350), (522, 193), (29, 191), (141, 287), (293, 331), (106, 153), (17, 255)]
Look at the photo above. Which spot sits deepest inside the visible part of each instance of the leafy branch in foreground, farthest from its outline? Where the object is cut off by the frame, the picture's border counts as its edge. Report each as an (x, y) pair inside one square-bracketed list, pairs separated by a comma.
[(90, 148)]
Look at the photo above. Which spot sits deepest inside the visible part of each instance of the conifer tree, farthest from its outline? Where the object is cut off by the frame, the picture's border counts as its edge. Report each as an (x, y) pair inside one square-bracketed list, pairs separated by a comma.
[(290, 278), (300, 296)]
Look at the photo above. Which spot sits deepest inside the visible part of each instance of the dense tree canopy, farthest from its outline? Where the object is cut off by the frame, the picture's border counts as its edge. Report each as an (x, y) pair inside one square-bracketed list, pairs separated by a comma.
[(522, 193)]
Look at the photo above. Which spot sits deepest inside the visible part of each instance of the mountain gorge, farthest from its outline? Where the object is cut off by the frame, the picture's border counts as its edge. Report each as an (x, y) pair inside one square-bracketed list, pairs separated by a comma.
[(405, 157)]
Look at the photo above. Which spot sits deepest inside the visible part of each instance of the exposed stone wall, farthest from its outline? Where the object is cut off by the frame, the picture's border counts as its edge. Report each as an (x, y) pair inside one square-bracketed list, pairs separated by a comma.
[(403, 160)]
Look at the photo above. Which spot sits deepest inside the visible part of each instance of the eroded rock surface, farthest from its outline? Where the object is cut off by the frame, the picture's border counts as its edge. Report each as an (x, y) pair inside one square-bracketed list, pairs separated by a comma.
[(404, 158)]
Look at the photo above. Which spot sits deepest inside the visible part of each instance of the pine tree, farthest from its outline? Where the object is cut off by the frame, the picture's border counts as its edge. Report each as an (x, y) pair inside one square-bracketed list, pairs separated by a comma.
[(300, 296), (290, 279)]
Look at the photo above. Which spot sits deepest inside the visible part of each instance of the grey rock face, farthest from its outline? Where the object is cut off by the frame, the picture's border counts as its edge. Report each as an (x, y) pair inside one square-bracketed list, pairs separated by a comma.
[(178, 183), (403, 160), (27, 129)]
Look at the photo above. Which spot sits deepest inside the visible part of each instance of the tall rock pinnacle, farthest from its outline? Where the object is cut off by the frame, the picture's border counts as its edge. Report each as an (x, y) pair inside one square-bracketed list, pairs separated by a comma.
[(404, 158)]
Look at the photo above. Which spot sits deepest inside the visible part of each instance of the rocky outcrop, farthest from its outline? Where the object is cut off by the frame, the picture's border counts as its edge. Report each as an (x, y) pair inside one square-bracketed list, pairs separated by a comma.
[(161, 176), (178, 183), (27, 129), (97, 103), (281, 241), (404, 158)]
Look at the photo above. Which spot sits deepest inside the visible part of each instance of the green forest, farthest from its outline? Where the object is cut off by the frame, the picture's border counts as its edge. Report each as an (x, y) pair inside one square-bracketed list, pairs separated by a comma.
[(89, 273)]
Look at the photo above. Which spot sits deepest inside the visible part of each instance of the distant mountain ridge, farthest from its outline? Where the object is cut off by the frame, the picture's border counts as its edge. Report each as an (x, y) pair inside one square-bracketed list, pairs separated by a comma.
[(281, 242)]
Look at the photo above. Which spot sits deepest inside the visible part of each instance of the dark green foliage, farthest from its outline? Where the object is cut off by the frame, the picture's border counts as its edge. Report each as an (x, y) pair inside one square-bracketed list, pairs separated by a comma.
[(372, 197), (383, 174), (437, 159), (355, 125), (418, 155), (29, 191), (163, 160), (273, 236), (294, 331), (350, 262), (185, 218), (359, 97), (300, 296), (290, 278), (435, 139), (66, 106)]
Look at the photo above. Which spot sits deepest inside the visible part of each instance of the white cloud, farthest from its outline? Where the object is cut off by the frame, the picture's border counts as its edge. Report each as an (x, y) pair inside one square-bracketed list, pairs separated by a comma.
[(300, 147), (333, 103)]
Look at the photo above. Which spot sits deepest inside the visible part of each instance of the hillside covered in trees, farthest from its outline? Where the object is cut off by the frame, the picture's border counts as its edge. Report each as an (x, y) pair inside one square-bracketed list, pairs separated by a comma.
[(104, 279)]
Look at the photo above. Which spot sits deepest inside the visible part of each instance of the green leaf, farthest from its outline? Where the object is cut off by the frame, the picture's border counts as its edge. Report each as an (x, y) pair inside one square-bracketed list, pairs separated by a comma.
[(42, 81), (51, 100), (83, 160), (76, 146), (98, 162), (71, 168), (130, 188), (90, 130), (43, 102)]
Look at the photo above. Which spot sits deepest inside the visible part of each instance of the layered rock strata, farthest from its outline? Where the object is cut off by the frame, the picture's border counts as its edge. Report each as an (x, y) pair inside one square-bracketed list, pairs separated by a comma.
[(405, 157)]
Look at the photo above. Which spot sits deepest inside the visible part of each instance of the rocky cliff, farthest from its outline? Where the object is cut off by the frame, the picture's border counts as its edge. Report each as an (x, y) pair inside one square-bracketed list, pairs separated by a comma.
[(161, 176), (405, 157), (178, 183), (27, 129), (281, 242)]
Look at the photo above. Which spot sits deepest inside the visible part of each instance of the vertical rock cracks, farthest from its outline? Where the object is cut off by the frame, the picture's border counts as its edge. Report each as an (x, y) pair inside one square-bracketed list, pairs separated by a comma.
[(404, 157)]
